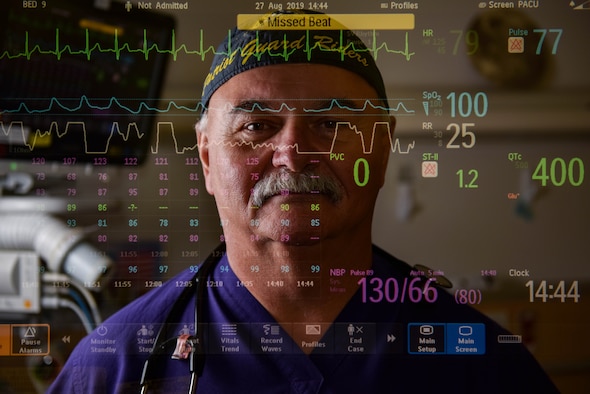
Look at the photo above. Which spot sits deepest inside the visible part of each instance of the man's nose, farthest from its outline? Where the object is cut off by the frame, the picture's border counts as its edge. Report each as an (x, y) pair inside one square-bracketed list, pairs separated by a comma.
[(294, 148)]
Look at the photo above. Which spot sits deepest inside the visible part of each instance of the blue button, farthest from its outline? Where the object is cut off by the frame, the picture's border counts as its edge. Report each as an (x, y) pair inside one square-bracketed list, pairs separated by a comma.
[(426, 338), (466, 338)]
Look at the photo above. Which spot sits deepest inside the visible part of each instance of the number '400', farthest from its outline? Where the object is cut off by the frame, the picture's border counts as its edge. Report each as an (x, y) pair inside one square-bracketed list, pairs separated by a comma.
[(559, 172)]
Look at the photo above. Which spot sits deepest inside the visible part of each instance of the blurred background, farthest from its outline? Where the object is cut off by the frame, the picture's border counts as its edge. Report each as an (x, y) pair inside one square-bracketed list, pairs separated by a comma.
[(101, 193)]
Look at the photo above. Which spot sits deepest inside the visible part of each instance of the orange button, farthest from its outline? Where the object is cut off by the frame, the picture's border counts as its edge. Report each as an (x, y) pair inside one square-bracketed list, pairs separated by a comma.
[(4, 339)]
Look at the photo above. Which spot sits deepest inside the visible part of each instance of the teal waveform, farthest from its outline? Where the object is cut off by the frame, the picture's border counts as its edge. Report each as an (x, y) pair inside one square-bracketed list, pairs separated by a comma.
[(84, 102), (203, 50)]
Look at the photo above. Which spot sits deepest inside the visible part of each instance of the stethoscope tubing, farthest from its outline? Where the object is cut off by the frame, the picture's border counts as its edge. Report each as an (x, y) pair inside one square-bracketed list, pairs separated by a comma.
[(197, 354)]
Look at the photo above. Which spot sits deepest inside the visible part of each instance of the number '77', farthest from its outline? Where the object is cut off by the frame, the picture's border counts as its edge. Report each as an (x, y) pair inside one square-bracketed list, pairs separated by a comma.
[(543, 33)]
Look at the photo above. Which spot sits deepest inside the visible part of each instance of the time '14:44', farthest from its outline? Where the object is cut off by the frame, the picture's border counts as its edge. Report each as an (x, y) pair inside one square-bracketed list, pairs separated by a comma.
[(548, 291)]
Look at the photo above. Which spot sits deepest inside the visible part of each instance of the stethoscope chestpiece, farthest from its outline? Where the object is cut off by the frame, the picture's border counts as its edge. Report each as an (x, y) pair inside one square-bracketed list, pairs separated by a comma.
[(434, 277), (185, 344)]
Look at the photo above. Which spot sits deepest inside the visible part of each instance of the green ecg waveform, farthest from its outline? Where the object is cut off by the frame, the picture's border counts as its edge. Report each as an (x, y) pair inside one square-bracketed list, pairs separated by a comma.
[(203, 50)]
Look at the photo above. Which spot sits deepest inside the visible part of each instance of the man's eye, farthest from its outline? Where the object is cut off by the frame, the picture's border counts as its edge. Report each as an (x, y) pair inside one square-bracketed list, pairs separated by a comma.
[(329, 124), (255, 126)]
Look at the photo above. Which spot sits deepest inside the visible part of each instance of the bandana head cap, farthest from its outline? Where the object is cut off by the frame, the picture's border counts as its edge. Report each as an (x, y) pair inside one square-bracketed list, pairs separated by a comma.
[(244, 50)]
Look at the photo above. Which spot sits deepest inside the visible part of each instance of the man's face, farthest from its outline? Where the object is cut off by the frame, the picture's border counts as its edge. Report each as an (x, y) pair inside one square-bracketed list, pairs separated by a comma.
[(272, 162)]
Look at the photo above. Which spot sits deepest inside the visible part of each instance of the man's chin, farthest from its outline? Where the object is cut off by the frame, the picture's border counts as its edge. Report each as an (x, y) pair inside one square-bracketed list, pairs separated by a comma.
[(303, 240), (295, 236)]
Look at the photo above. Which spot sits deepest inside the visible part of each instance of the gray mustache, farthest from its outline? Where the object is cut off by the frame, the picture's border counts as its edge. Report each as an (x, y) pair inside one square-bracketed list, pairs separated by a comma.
[(288, 182)]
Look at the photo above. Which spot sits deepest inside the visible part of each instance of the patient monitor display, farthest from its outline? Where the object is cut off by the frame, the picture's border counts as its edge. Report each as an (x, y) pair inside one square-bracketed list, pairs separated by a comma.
[(486, 193)]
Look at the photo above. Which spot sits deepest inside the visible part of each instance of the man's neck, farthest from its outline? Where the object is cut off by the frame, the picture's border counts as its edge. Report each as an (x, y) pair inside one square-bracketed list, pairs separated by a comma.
[(302, 284)]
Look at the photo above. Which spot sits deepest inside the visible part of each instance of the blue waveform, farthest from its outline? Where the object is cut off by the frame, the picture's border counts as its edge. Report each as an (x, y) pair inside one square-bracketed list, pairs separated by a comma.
[(85, 103)]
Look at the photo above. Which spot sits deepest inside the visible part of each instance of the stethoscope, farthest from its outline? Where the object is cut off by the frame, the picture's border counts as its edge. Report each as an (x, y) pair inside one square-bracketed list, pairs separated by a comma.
[(192, 347), (187, 346)]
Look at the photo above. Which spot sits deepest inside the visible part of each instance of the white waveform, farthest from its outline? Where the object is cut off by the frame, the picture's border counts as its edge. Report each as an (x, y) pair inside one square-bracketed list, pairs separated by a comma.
[(382, 126), (30, 140), (154, 149), (385, 127)]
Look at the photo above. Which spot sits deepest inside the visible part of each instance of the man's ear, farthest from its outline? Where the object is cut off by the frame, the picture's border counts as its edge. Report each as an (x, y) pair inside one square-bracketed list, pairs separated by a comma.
[(203, 148), (392, 121)]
